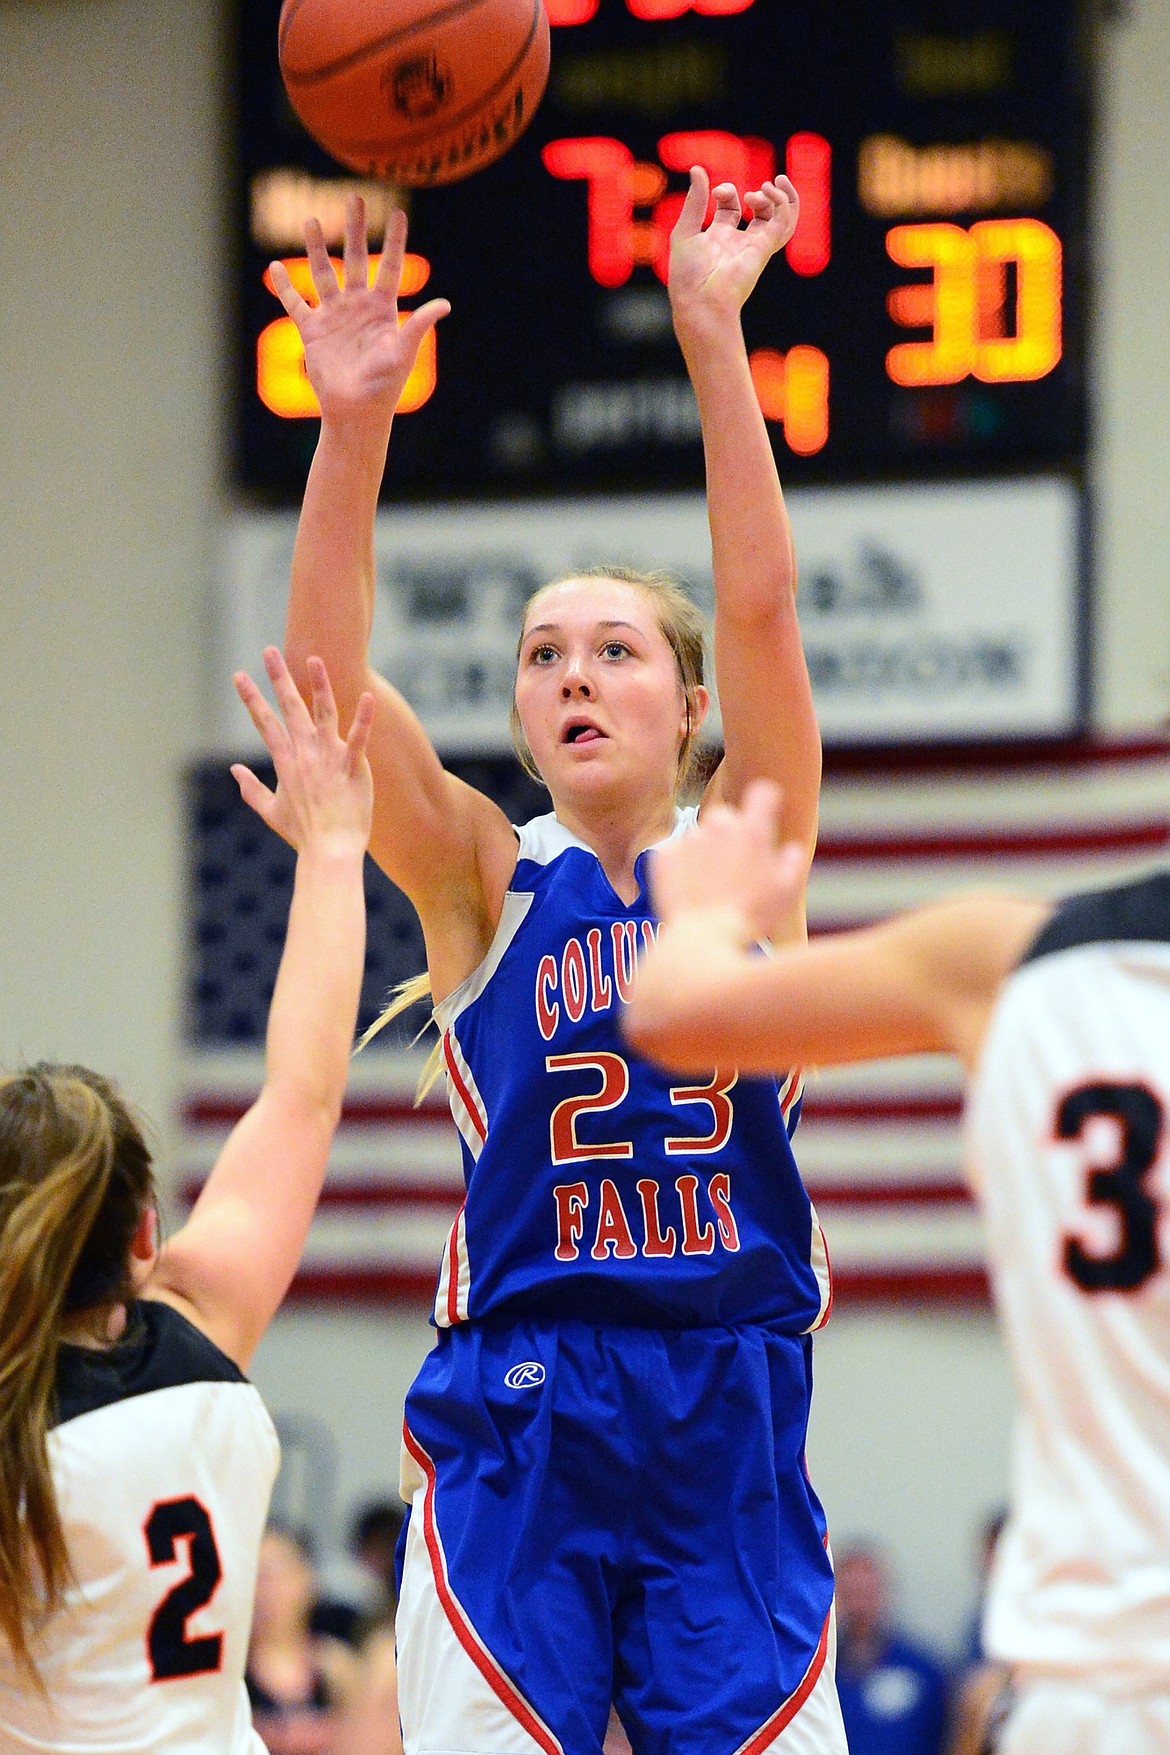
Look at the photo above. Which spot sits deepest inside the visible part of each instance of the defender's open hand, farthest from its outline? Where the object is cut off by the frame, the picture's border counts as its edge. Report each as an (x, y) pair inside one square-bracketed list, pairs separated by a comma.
[(324, 797), (730, 861)]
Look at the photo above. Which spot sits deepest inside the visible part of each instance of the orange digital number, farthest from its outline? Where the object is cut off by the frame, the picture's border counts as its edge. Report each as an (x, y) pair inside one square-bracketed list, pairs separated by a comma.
[(793, 390), (282, 383), (965, 303)]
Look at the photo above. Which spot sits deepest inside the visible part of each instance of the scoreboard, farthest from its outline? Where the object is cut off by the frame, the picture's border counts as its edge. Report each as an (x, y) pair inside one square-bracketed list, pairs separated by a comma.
[(926, 322)]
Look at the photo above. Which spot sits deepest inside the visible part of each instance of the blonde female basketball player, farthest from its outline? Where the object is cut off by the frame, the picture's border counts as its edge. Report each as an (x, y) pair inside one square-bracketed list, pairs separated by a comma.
[(1061, 1016), (604, 1453), (136, 1458)]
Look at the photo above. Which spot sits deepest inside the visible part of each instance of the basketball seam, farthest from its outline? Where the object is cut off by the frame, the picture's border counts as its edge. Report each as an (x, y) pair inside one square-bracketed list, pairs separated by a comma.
[(286, 22), (407, 143), (345, 63)]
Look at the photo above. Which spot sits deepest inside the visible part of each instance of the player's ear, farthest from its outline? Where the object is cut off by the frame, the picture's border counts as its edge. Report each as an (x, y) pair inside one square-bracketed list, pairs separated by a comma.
[(699, 704), (144, 1243)]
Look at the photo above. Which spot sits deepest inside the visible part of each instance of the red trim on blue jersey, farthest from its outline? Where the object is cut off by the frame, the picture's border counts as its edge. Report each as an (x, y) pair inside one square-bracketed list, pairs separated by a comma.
[(791, 1091), (504, 1690), (453, 1270), (465, 1096), (784, 1715), (828, 1273)]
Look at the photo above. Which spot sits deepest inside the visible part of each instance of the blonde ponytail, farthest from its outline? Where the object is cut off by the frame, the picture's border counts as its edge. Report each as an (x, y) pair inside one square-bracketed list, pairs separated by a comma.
[(412, 991), (73, 1170)]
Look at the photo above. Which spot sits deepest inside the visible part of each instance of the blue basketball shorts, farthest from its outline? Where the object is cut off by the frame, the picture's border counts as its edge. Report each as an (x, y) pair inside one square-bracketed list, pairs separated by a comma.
[(614, 1514)]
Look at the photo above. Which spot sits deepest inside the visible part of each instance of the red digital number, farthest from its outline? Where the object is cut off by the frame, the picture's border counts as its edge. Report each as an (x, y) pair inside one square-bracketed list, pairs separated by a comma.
[(630, 213), (569, 12)]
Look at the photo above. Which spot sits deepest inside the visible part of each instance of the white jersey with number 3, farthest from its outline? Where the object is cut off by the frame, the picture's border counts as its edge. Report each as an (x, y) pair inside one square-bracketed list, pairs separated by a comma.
[(163, 1458), (1069, 1149)]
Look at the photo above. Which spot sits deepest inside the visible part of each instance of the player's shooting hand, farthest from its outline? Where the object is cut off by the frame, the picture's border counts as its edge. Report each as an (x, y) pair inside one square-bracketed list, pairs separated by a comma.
[(358, 352), (325, 794), (730, 864), (714, 268)]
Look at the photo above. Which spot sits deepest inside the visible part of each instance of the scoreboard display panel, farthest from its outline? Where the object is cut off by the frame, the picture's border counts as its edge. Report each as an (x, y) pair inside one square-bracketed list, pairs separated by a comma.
[(927, 320)]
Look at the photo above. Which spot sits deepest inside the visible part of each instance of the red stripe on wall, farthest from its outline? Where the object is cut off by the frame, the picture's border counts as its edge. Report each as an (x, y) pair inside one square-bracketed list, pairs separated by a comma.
[(1041, 754), (941, 1191), (943, 1284), (1035, 843), (823, 1106)]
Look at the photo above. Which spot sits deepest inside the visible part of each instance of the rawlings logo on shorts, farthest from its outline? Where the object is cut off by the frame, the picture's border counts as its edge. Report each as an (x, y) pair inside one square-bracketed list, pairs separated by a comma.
[(526, 1376)]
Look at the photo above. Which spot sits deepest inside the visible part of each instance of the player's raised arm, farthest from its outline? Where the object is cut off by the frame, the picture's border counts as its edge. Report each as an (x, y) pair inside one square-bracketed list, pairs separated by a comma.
[(359, 354), (769, 724), (231, 1263), (923, 982)]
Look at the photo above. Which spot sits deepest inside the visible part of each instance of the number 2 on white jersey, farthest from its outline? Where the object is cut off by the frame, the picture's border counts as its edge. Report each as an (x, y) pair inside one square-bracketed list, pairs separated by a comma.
[(171, 1650)]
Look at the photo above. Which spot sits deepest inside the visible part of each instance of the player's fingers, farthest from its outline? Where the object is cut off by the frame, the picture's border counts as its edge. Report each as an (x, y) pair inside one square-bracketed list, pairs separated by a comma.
[(324, 705), (260, 713), (296, 714), (324, 274), (694, 208), (785, 203), (761, 808), (357, 255), (393, 248), (417, 324), (759, 209), (358, 740), (718, 820), (789, 871), (727, 208), (286, 292), (254, 793)]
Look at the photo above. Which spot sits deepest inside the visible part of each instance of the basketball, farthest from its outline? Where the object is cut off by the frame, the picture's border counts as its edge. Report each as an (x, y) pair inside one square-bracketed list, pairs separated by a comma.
[(414, 91)]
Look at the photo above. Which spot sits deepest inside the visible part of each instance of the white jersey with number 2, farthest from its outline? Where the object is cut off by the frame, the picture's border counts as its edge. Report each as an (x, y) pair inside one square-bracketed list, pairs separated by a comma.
[(163, 1458)]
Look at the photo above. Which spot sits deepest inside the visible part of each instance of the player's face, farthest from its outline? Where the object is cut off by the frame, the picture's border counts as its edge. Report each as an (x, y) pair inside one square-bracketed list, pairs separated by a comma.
[(284, 1586), (598, 690)]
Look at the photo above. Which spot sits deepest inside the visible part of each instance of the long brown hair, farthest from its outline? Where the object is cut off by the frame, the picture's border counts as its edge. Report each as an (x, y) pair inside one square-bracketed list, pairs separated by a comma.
[(75, 1178), (683, 626)]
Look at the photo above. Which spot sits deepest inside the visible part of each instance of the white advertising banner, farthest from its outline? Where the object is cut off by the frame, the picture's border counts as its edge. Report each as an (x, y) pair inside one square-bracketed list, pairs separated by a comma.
[(928, 612)]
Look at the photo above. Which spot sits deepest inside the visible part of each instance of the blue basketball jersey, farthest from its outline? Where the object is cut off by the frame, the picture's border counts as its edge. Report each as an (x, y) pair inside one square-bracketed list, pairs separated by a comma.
[(598, 1186)]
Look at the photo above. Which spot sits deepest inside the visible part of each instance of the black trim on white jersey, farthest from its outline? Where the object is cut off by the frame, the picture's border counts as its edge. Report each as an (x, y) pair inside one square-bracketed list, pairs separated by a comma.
[(1138, 911), (161, 1350)]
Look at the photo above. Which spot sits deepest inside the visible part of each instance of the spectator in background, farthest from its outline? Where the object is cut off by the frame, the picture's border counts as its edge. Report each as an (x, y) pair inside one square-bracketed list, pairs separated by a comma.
[(982, 1688), (893, 1691), (298, 1681), (361, 1590), (361, 1610), (989, 1533), (370, 1725), (373, 1542)]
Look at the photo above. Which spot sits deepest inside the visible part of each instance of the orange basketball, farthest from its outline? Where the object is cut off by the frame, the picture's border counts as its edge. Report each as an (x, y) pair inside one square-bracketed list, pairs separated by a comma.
[(415, 91)]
